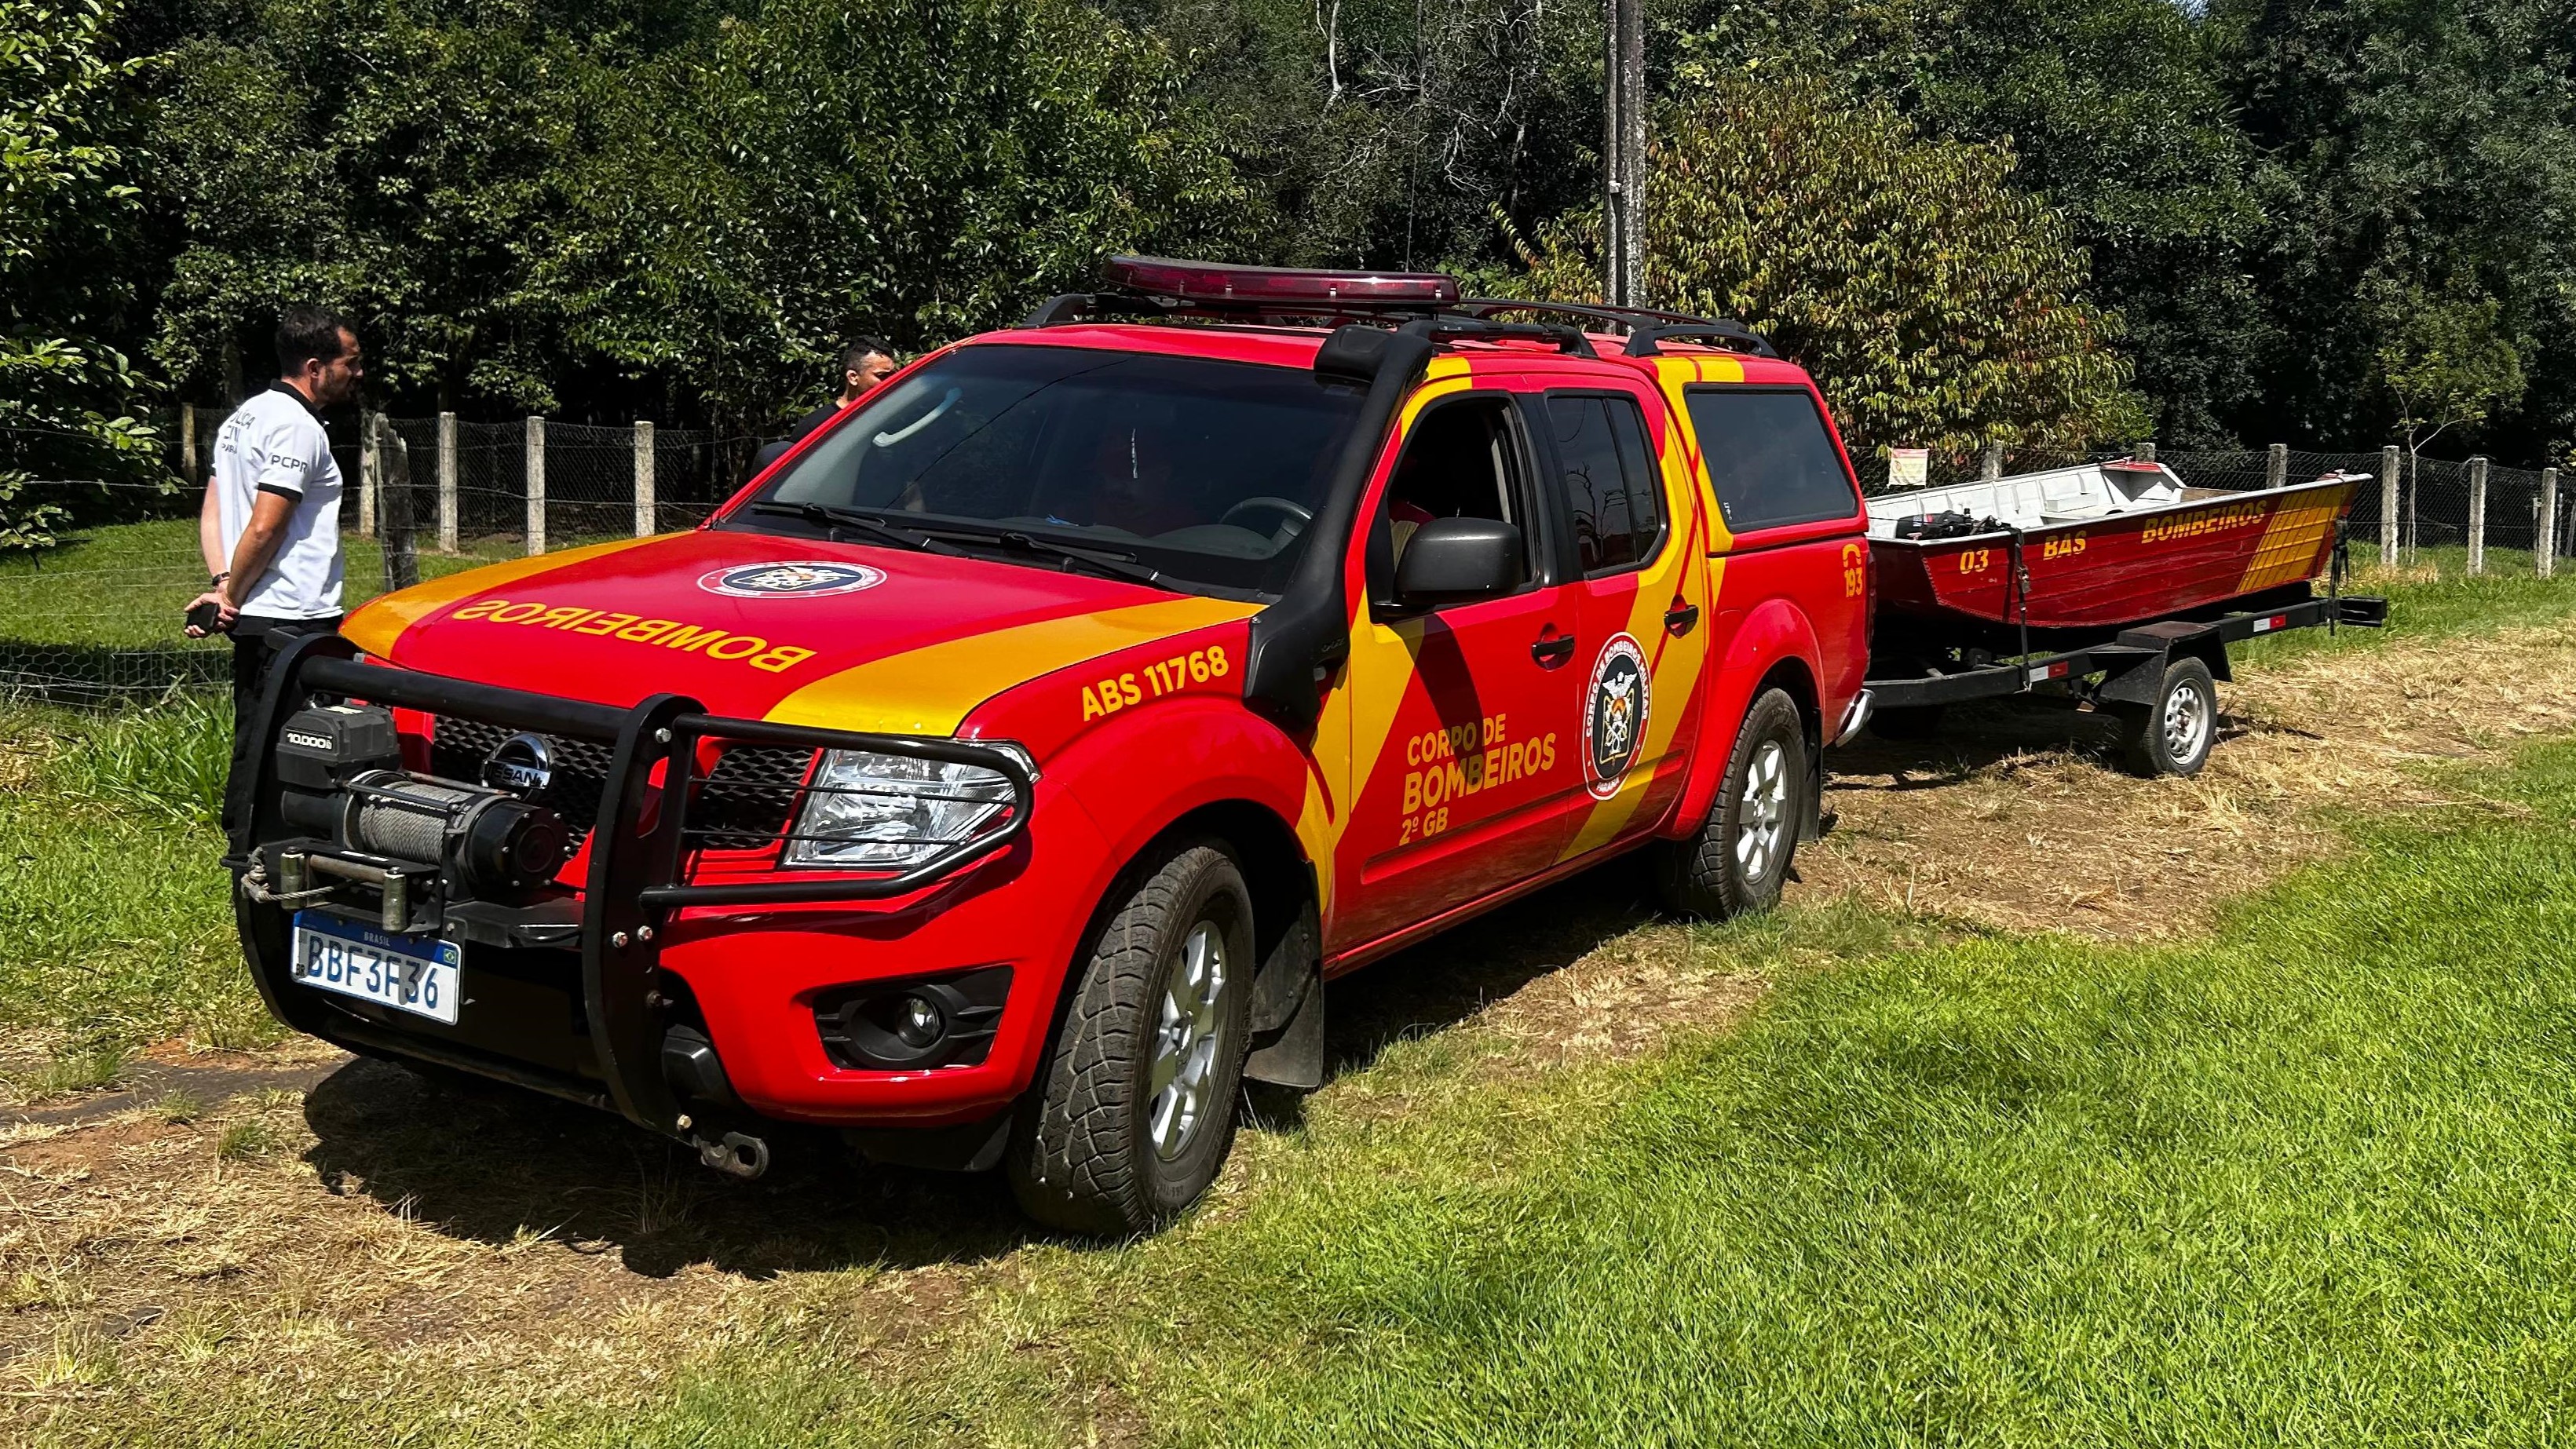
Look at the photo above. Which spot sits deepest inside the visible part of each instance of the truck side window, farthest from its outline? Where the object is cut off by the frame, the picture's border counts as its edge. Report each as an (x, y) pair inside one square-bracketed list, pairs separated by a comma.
[(1770, 460), (1611, 483), (1461, 460)]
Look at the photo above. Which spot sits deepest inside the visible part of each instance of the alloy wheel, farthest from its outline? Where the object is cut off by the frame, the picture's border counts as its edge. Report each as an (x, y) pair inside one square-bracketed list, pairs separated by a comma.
[(1188, 1042), (1764, 816)]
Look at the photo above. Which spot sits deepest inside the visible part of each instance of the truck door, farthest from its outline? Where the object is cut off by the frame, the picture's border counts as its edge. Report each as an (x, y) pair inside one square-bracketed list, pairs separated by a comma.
[(1464, 720), (1621, 484)]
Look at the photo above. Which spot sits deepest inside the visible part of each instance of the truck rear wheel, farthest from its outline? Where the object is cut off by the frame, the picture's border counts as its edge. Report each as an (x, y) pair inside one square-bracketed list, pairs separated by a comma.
[(1740, 858), (2172, 735), (1134, 1109)]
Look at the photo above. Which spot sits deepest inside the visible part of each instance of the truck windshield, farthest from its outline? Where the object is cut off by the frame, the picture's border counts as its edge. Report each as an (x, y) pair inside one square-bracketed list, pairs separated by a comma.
[(1205, 472)]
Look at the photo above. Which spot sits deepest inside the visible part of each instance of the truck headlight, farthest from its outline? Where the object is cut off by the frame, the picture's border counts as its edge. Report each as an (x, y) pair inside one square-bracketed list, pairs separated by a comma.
[(871, 811)]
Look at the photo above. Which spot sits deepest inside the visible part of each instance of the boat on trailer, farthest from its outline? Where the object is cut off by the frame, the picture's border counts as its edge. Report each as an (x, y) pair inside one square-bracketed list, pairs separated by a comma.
[(2093, 546), (2109, 586)]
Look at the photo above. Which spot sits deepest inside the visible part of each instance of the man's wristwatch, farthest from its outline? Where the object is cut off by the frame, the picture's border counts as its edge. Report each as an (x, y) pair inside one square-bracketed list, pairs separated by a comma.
[(217, 581)]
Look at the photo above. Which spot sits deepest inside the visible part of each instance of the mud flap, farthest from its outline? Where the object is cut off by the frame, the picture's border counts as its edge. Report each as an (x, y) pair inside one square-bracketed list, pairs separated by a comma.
[(1288, 1010)]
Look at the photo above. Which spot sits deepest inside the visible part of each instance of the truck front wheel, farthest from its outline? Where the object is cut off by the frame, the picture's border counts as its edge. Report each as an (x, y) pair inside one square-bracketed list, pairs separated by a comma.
[(1740, 858), (1135, 1108)]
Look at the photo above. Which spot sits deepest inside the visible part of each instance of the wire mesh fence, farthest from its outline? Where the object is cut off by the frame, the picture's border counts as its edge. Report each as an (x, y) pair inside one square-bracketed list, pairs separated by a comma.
[(96, 621)]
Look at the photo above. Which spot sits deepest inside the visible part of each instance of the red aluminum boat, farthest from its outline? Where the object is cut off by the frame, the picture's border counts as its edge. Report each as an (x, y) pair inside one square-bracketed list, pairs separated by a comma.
[(2103, 544)]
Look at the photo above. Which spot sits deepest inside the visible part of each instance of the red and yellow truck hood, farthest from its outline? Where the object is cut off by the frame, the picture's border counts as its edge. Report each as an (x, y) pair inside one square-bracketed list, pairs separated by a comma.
[(762, 627)]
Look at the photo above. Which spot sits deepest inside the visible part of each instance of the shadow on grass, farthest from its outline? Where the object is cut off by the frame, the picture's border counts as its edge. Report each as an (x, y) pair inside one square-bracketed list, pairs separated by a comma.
[(1978, 737), (497, 1166)]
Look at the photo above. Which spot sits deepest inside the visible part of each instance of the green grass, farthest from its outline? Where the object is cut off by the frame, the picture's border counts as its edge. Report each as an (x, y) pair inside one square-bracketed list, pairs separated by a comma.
[(2307, 1182), (114, 926), (125, 586)]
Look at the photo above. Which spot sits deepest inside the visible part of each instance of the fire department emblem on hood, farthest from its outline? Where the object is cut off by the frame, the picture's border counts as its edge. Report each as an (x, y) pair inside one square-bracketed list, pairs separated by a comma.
[(800, 579), (1614, 715)]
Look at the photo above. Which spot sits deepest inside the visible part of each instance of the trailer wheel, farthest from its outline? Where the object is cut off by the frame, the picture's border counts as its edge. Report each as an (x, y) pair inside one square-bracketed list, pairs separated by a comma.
[(1135, 1107), (1740, 858), (2172, 735), (1907, 722)]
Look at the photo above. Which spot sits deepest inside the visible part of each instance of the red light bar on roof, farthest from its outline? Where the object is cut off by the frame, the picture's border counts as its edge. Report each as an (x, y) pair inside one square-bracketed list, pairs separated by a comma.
[(1212, 282)]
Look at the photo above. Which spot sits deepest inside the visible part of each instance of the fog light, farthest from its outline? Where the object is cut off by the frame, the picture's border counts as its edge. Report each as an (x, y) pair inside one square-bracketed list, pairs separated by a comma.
[(913, 1025), (921, 1023)]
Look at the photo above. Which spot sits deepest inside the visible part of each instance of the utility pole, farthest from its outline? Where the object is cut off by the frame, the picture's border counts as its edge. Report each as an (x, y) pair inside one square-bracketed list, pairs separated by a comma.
[(1623, 156)]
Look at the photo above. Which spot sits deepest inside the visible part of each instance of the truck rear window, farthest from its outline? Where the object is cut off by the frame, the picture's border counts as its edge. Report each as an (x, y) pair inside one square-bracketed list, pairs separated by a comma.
[(1207, 471), (1770, 459)]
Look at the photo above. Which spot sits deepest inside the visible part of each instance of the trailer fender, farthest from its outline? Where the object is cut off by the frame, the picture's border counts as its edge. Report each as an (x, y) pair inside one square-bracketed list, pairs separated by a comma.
[(1765, 637), (2160, 644)]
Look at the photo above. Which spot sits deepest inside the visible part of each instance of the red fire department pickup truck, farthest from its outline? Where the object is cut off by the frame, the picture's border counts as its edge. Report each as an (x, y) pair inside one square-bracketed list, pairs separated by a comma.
[(1000, 775)]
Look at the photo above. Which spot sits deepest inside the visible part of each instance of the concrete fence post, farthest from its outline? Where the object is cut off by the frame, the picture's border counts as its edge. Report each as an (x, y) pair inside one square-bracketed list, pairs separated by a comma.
[(1992, 465), (2146, 452), (2477, 516), (2388, 504), (644, 510), (370, 468), (536, 526), (2544, 541), (447, 526), (2276, 466), (188, 442), (394, 510)]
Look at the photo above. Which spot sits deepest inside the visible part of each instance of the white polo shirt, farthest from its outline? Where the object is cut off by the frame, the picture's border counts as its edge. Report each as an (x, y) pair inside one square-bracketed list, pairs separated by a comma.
[(274, 444)]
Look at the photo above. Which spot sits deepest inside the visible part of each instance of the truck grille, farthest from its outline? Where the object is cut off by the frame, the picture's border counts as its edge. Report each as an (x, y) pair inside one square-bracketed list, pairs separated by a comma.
[(745, 803)]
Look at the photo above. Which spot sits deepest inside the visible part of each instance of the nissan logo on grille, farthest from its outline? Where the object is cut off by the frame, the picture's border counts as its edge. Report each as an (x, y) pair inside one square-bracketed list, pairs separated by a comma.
[(523, 764)]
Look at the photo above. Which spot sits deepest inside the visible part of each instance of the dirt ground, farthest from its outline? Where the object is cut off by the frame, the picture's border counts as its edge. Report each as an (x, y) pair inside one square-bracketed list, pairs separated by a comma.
[(248, 1217)]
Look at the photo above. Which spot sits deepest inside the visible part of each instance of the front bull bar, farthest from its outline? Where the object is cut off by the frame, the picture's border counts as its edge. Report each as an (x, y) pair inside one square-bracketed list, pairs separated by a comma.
[(638, 861)]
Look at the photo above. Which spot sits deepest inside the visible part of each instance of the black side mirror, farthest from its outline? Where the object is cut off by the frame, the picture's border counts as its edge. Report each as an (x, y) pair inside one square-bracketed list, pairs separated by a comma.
[(1452, 560)]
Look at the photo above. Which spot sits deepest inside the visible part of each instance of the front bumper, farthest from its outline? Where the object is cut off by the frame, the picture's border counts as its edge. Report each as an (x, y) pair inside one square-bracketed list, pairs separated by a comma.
[(578, 993)]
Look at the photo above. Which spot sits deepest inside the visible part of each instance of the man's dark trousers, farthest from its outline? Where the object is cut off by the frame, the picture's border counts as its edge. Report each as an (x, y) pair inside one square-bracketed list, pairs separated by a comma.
[(256, 642)]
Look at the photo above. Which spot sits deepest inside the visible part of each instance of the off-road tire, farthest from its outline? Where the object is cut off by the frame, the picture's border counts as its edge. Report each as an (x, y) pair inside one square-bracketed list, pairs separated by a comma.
[(1703, 875), (1081, 1157), (1907, 722), (2146, 746)]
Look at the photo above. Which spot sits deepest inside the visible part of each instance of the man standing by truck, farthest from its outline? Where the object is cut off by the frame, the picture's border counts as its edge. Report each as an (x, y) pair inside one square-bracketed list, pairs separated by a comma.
[(270, 524), (865, 363)]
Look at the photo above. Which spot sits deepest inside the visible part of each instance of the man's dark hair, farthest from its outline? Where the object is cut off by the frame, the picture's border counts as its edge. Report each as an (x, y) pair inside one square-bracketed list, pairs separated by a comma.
[(858, 351), (306, 333)]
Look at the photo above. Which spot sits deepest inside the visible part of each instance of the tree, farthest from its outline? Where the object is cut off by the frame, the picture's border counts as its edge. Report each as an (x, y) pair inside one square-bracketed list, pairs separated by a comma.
[(1935, 303), (2428, 141), (63, 193), (2115, 110), (920, 169), (402, 161), (2445, 364)]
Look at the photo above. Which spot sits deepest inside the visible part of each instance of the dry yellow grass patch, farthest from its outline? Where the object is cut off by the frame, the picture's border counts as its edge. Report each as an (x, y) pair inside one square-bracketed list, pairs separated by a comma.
[(2022, 818)]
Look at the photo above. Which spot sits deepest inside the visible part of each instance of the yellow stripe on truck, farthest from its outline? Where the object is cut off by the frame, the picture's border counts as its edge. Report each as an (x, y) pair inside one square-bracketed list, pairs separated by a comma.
[(931, 690), (379, 623)]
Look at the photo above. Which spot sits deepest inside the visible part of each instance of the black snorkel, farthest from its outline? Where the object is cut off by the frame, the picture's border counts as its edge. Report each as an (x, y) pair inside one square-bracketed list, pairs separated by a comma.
[(1298, 642)]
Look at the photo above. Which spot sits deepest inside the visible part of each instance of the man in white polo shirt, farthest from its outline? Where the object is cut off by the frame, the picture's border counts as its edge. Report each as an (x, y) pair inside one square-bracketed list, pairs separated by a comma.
[(270, 525)]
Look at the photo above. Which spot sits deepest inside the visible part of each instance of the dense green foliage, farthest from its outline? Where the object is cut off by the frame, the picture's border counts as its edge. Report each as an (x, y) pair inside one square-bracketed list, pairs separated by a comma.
[(919, 169), (1780, 202), (2270, 219), (64, 194)]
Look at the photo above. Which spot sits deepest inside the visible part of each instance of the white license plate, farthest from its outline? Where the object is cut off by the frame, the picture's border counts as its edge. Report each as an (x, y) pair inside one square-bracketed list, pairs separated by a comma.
[(417, 974)]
